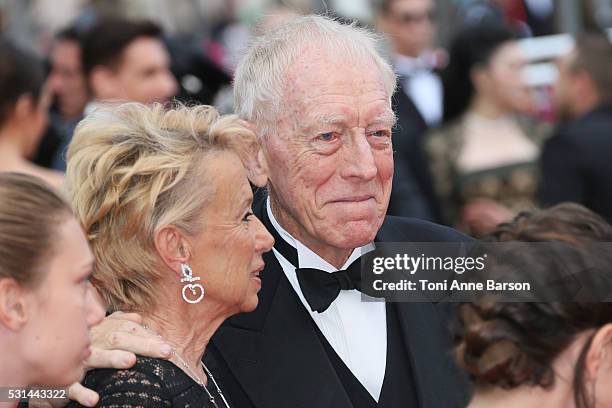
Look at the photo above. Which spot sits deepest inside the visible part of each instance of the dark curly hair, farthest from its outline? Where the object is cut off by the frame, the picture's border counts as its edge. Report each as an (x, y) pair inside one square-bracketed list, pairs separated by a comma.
[(512, 344)]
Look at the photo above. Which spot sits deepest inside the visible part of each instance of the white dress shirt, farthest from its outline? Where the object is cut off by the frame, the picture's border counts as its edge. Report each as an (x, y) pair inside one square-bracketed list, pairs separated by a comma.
[(356, 330), (422, 86)]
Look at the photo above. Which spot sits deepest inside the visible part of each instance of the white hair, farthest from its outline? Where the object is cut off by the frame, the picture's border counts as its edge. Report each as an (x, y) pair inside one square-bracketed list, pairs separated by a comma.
[(260, 79)]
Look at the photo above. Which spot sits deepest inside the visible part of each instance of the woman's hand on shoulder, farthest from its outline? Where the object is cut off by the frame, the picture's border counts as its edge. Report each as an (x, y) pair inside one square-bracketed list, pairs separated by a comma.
[(115, 341)]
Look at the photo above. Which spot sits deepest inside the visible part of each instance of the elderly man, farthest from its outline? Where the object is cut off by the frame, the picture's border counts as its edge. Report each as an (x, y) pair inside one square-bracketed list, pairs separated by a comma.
[(319, 95)]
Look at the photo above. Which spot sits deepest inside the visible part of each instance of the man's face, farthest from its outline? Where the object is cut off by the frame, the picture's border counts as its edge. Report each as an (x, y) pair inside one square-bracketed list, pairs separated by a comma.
[(565, 87), (331, 159), (66, 81), (410, 25), (144, 73)]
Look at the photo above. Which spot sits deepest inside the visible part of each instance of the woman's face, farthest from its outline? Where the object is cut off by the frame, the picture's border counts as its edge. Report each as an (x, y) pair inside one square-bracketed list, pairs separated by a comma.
[(61, 310), (227, 253), (502, 80)]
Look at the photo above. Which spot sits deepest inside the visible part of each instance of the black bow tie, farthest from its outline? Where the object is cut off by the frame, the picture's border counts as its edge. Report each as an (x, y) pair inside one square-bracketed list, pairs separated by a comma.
[(320, 288)]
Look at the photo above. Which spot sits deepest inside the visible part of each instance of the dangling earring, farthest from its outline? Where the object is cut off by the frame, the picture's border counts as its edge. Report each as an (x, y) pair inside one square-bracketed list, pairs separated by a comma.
[(189, 278)]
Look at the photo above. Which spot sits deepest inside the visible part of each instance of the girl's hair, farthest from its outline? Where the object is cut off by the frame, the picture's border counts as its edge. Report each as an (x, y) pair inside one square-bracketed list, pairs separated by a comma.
[(509, 344), (30, 214)]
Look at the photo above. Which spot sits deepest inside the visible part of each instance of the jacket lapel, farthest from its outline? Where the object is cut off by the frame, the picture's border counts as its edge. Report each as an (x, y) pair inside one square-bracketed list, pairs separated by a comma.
[(426, 336), (428, 343), (274, 351)]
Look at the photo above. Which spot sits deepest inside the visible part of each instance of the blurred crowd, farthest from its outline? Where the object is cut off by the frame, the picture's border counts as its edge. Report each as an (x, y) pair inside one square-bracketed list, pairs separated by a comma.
[(473, 143)]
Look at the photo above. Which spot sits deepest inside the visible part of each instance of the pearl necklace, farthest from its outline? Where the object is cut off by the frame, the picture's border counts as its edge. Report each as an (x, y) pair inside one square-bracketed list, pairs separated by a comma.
[(193, 375)]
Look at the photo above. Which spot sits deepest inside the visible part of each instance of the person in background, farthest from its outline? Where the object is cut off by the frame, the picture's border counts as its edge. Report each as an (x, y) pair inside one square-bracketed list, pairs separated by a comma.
[(411, 27), (484, 158), (537, 354), (24, 102), (164, 198), (528, 18), (417, 102), (126, 61), (575, 162), (46, 301), (480, 12), (66, 81), (68, 88)]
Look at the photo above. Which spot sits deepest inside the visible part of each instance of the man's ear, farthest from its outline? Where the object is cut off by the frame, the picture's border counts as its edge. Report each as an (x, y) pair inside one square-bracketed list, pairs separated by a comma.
[(103, 83), (257, 167), (599, 356), (258, 170), (173, 248), (13, 305), (383, 22), (24, 107)]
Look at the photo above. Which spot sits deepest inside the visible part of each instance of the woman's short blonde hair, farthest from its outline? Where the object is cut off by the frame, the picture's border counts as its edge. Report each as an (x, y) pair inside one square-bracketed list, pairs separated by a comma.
[(133, 169)]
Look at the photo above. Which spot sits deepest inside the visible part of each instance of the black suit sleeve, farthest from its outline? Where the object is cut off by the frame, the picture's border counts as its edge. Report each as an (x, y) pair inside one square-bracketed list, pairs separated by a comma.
[(561, 172), (405, 192)]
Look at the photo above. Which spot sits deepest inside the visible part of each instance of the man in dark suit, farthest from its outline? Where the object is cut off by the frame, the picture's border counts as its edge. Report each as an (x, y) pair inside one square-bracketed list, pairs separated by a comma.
[(575, 162), (417, 103), (330, 165), (319, 96), (277, 355)]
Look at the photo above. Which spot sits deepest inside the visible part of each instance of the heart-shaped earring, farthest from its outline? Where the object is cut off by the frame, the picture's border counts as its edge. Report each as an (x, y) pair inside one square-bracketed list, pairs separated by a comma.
[(193, 287)]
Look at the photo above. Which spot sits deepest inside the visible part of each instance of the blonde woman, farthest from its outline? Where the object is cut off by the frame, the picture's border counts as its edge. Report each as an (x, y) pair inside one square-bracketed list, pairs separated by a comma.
[(166, 203), (46, 302)]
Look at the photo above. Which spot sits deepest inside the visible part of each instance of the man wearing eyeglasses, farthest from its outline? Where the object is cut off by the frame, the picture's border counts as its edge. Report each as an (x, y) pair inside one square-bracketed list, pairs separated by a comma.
[(418, 102)]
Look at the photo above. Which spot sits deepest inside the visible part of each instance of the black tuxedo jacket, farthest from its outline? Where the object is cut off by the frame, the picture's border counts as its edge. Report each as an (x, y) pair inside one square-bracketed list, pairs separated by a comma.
[(576, 163), (412, 194), (272, 357)]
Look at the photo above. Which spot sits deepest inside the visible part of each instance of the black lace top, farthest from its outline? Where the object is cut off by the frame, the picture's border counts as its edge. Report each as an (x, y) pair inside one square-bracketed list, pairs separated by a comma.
[(150, 382)]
